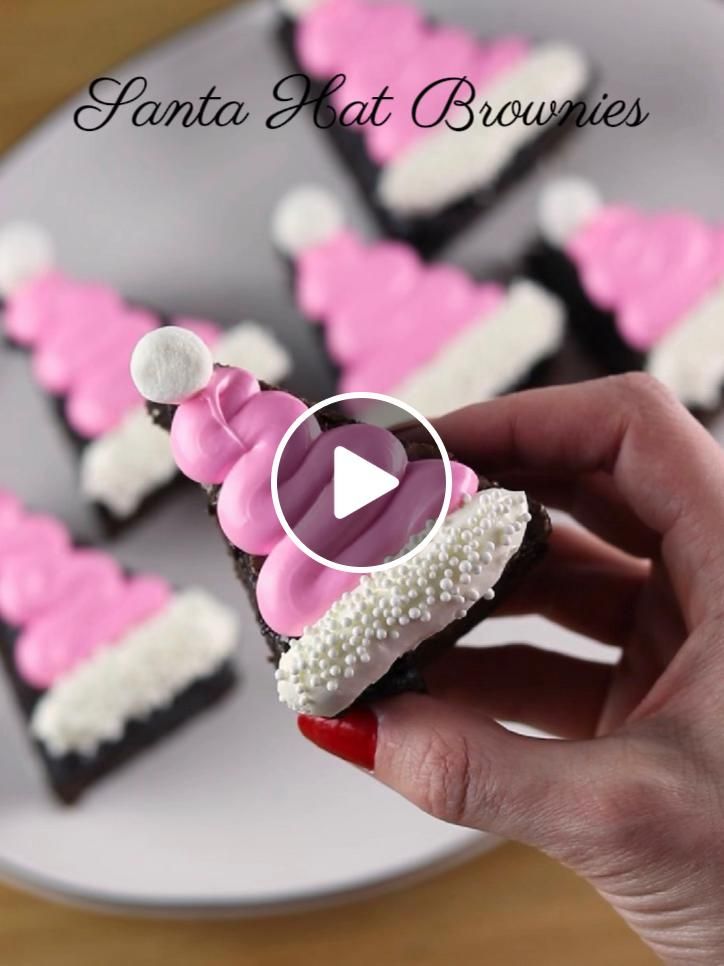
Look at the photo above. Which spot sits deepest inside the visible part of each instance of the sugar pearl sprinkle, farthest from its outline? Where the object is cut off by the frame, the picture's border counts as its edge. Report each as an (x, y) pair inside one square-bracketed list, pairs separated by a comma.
[(390, 612)]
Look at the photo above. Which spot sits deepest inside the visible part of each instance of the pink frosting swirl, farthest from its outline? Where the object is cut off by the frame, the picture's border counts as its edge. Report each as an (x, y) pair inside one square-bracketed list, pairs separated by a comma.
[(649, 270), (386, 312), (82, 336), (66, 601), (377, 44), (228, 434)]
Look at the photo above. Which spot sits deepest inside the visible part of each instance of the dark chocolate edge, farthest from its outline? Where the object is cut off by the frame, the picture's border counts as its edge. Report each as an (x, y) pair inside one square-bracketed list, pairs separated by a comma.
[(69, 776), (406, 673), (594, 328), (430, 234)]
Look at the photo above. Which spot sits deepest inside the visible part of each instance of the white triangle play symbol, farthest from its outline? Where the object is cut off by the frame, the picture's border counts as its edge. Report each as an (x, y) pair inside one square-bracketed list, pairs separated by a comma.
[(357, 482)]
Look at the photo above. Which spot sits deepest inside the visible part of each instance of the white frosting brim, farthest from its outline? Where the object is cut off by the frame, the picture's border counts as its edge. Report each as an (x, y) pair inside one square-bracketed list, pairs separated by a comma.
[(249, 346), (448, 165), (121, 468), (690, 358), (490, 356), (391, 612), (129, 679)]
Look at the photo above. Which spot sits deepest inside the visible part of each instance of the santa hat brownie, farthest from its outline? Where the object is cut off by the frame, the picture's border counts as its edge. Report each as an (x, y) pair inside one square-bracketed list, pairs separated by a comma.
[(428, 334), (645, 290), (103, 662), (424, 179), (81, 336), (336, 636)]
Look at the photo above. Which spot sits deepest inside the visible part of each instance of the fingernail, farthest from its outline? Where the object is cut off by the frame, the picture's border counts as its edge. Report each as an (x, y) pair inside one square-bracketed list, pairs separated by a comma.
[(353, 736)]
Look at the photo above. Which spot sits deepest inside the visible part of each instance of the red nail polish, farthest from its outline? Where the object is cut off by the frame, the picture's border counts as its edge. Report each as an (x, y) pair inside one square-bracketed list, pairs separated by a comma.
[(353, 736)]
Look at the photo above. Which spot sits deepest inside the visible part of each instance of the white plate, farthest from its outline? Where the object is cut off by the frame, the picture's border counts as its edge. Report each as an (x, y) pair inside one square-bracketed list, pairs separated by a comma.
[(237, 812)]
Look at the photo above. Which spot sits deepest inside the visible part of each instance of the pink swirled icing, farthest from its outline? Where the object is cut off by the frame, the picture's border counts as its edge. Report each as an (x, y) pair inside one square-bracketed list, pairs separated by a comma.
[(649, 270), (377, 44), (228, 434), (385, 311), (66, 601), (82, 336)]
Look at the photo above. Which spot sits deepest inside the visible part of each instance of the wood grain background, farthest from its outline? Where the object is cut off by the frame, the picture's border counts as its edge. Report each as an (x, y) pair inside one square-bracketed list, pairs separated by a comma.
[(510, 908)]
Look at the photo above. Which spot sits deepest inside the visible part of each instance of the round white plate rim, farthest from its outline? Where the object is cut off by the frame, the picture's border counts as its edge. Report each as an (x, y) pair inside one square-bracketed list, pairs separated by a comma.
[(451, 854), (199, 907)]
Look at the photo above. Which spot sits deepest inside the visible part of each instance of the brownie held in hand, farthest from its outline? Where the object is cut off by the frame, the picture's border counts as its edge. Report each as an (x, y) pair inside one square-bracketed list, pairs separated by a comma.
[(336, 636)]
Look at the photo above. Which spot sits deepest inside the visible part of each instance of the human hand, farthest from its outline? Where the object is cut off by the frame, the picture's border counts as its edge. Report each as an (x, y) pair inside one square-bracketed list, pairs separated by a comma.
[(634, 798)]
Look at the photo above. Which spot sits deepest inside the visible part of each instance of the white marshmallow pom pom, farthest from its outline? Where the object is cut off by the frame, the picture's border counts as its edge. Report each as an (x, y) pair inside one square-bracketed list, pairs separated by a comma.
[(171, 364), (296, 9), (306, 217), (26, 250), (565, 206)]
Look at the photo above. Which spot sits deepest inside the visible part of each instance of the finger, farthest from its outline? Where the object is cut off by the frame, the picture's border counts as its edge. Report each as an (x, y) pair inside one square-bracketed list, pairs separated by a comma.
[(583, 584), (569, 542), (455, 763), (594, 501), (553, 692), (666, 467)]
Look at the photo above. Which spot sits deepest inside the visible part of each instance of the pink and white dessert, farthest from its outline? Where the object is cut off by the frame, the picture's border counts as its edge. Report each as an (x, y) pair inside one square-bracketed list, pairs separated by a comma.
[(645, 290), (424, 178), (81, 335), (103, 662), (336, 636), (426, 333)]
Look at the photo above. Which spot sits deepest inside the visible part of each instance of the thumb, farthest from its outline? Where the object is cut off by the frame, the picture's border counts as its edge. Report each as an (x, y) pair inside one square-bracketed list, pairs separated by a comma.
[(462, 767)]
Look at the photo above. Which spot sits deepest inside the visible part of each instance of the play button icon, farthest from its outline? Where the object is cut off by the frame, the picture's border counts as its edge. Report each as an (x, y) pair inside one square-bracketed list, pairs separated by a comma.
[(357, 482), (353, 496)]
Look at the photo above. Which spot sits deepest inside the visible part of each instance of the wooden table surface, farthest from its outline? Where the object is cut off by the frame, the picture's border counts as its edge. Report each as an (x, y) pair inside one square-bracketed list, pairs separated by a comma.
[(509, 908)]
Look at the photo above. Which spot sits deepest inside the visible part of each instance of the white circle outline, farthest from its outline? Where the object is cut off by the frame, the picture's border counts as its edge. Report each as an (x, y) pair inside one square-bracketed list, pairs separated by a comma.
[(324, 404)]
